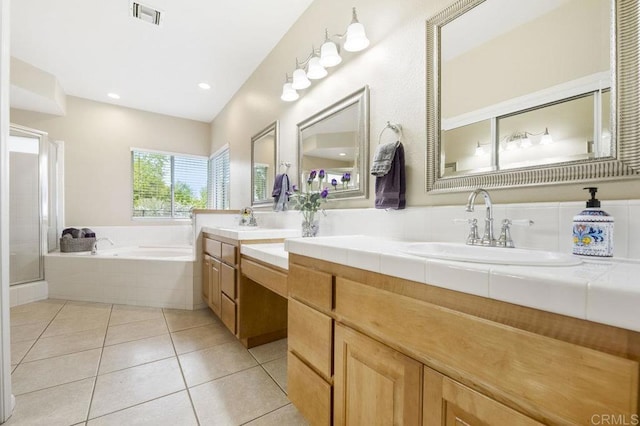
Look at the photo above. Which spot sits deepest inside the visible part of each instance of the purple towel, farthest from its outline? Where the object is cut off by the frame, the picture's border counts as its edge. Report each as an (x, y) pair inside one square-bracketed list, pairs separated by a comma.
[(391, 188)]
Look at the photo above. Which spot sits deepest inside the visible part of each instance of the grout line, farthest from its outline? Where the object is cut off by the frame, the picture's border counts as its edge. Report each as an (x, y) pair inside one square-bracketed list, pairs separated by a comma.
[(95, 382), (41, 333), (186, 386), (266, 414), (135, 405)]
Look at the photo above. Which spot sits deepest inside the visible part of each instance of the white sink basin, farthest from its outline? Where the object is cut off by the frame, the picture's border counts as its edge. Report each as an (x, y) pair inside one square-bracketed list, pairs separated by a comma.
[(495, 255)]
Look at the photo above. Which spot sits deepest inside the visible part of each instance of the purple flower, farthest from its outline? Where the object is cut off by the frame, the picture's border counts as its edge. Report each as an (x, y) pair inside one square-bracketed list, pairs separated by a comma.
[(325, 193), (295, 188), (334, 183), (347, 177), (321, 174), (312, 175)]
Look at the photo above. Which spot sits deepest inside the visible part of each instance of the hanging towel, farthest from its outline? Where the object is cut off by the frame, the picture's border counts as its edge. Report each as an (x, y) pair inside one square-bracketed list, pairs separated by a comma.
[(280, 192), (391, 188), (383, 158)]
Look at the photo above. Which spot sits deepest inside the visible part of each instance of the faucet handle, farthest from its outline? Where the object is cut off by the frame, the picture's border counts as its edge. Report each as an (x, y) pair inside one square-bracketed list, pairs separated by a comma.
[(473, 238), (505, 239)]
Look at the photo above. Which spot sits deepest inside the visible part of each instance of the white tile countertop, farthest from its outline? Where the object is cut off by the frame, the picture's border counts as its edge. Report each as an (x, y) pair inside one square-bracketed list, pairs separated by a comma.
[(252, 232), (601, 290), (273, 254)]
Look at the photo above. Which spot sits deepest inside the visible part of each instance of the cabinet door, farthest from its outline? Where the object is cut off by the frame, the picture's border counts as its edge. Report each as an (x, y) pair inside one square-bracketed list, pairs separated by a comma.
[(447, 402), (214, 286), (374, 384), (206, 270), (228, 280)]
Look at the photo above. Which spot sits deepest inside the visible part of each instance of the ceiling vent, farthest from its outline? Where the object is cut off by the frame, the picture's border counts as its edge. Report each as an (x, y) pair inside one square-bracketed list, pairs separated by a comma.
[(145, 13)]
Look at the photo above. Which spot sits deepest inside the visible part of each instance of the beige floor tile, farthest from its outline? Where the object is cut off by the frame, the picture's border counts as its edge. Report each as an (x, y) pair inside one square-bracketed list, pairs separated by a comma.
[(270, 351), (123, 314), (63, 344), (79, 305), (171, 410), (22, 333), (60, 326), (19, 350), (212, 363), (135, 330), (84, 312), (36, 375), (34, 312), (277, 369), (197, 338), (287, 415), (238, 398), (179, 319), (137, 352), (61, 405), (126, 388)]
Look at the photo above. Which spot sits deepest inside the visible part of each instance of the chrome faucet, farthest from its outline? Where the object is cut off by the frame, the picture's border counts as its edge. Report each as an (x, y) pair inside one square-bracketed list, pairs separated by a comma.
[(94, 248), (487, 238), (247, 218)]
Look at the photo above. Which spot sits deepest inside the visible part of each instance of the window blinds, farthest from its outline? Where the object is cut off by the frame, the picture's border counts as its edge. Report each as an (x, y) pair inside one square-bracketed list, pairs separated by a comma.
[(219, 193)]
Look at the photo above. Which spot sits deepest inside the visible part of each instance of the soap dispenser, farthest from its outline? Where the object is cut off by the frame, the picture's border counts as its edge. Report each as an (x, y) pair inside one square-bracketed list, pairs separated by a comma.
[(593, 229)]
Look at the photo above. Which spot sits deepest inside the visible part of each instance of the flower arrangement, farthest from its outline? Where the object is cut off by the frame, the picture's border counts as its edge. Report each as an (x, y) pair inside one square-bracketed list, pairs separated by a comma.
[(309, 202)]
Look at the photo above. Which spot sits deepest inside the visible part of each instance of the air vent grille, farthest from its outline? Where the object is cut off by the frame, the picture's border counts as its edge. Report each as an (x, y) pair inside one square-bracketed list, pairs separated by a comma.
[(145, 13)]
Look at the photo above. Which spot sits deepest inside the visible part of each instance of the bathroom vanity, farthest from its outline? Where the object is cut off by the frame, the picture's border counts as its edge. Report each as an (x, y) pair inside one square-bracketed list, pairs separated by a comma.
[(372, 341), (248, 295)]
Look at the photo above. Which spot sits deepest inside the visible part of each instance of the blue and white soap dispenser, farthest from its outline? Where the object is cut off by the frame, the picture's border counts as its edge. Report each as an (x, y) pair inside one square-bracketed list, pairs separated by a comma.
[(593, 229)]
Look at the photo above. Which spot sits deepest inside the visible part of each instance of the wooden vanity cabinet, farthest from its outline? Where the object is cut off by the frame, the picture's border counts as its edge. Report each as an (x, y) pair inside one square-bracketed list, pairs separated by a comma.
[(219, 278), (402, 352)]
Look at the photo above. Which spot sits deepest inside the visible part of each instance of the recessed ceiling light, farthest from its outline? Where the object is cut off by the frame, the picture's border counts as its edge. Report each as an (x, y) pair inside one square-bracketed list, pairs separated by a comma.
[(204, 86), (113, 95), (342, 154)]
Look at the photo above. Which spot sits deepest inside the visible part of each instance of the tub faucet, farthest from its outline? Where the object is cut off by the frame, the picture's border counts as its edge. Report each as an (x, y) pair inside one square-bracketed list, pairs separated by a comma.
[(247, 218), (487, 238), (94, 248)]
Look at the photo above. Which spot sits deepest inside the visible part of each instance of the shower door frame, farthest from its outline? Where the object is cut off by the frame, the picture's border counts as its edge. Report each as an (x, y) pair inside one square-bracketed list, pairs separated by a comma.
[(43, 178)]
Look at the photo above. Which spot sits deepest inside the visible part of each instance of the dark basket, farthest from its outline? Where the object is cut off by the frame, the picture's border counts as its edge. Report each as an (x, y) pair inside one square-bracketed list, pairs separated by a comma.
[(69, 245)]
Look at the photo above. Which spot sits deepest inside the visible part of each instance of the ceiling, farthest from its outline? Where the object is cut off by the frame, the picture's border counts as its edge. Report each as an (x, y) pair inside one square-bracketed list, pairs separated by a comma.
[(95, 47)]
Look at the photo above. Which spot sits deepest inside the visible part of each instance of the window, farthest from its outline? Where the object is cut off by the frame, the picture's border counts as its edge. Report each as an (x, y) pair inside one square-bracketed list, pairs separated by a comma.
[(167, 185), (219, 184), (260, 177)]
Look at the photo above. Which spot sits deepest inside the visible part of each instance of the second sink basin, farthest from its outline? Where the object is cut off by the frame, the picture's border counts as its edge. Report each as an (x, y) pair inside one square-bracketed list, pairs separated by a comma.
[(495, 255)]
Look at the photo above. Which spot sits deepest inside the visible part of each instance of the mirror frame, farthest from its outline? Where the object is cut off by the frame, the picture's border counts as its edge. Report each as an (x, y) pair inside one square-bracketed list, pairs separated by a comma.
[(275, 128), (361, 98), (625, 160)]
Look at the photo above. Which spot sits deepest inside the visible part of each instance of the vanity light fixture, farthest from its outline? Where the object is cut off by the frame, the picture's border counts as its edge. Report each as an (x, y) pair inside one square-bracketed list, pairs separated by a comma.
[(327, 56), (480, 150), (546, 138), (522, 140), (289, 94)]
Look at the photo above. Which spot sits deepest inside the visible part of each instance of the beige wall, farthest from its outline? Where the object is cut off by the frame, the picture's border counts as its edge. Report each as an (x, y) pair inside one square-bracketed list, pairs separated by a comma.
[(394, 68), (98, 138)]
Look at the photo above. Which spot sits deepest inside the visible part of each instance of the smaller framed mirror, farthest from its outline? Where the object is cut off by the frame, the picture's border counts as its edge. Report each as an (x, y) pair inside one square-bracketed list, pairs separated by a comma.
[(336, 140), (264, 159)]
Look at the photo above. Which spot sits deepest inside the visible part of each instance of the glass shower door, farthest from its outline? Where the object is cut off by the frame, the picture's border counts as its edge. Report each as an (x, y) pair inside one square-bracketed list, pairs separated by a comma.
[(26, 190)]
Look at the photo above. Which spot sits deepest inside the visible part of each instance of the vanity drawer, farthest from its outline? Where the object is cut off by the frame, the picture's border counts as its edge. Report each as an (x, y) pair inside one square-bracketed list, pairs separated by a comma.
[(212, 247), (310, 337), (229, 253), (275, 281), (308, 392), (311, 286), (228, 280), (228, 313)]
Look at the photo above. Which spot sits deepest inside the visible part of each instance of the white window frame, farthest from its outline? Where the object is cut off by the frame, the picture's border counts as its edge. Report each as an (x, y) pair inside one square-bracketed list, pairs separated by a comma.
[(213, 199)]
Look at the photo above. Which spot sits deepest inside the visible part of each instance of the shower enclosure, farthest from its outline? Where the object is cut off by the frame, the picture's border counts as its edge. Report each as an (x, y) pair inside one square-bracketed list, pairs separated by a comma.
[(33, 211)]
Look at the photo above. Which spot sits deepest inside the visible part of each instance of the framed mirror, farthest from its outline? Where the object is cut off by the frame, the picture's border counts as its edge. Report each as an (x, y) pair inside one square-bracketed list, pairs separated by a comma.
[(530, 94), (264, 160), (336, 140)]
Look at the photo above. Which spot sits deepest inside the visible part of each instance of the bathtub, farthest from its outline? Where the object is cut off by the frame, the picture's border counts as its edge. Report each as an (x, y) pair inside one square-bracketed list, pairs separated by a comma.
[(155, 276)]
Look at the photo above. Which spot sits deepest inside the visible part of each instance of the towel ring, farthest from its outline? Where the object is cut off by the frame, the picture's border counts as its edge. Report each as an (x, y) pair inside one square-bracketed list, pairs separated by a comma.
[(286, 164), (397, 129)]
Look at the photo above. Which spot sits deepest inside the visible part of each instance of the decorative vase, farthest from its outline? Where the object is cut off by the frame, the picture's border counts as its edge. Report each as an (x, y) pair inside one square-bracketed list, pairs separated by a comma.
[(310, 228)]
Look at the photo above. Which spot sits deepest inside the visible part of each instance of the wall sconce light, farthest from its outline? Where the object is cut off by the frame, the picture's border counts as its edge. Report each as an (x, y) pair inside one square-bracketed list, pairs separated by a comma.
[(522, 139), (326, 57), (289, 94), (546, 138), (481, 149)]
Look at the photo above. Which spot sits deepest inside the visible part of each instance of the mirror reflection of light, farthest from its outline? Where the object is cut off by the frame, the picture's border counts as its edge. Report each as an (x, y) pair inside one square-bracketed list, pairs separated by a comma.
[(342, 154)]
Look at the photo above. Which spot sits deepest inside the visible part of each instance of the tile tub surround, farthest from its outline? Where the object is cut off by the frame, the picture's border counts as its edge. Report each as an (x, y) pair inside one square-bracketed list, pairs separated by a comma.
[(603, 291), (144, 379), (144, 282)]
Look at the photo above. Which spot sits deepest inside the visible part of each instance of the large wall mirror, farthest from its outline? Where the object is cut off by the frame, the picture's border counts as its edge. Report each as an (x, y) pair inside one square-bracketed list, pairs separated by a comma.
[(264, 160), (527, 93), (336, 140)]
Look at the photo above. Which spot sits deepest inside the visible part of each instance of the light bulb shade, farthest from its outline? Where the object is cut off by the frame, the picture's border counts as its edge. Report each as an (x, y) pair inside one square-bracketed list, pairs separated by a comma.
[(546, 139), (329, 56), (356, 38), (316, 70), (479, 150), (525, 142), (300, 80), (289, 94)]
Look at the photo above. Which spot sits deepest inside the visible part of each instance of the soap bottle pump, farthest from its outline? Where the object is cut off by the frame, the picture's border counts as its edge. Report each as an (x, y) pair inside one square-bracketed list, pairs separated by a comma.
[(593, 229)]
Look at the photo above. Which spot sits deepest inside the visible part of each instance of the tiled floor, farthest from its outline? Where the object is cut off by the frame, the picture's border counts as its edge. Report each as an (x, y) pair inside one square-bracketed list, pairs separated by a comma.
[(77, 363)]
